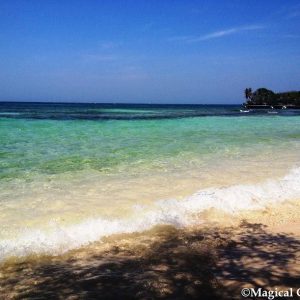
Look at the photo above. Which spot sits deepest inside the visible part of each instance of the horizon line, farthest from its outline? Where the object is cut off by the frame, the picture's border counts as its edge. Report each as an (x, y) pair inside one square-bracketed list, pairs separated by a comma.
[(117, 103)]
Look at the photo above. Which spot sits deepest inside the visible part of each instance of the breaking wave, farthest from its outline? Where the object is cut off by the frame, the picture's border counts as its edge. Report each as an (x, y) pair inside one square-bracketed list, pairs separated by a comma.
[(231, 199)]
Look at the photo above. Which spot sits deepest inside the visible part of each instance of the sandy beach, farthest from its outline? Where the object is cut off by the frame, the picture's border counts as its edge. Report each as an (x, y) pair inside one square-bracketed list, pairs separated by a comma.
[(215, 260)]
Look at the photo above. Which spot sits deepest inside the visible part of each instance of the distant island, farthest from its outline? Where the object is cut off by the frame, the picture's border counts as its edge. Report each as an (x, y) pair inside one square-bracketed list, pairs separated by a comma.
[(264, 98)]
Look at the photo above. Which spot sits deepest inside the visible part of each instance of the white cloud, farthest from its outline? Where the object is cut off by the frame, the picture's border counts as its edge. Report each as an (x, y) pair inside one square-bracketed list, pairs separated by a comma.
[(215, 34)]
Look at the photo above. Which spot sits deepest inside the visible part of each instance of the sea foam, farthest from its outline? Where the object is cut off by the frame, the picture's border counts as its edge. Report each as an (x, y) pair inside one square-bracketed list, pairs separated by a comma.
[(231, 199)]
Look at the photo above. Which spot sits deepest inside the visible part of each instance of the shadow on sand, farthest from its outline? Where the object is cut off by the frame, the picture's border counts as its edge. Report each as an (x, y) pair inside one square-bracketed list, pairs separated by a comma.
[(170, 264)]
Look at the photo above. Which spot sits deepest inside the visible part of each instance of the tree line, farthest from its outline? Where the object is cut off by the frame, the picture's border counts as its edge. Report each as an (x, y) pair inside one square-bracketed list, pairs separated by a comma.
[(263, 96)]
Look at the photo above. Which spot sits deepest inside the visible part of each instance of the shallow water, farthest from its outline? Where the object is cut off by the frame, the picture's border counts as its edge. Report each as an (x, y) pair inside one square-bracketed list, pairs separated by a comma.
[(71, 174)]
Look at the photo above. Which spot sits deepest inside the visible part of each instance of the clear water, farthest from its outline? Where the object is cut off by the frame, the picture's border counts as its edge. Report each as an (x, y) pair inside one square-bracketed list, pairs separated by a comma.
[(72, 173)]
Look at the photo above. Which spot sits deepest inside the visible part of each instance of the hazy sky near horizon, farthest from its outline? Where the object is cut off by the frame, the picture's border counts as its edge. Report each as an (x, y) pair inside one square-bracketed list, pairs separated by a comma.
[(147, 51)]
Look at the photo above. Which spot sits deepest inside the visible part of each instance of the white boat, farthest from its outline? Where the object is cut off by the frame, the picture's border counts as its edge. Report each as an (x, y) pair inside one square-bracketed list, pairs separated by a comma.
[(244, 111)]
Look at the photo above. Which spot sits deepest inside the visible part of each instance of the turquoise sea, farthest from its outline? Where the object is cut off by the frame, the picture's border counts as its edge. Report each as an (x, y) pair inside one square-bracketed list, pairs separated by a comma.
[(71, 174)]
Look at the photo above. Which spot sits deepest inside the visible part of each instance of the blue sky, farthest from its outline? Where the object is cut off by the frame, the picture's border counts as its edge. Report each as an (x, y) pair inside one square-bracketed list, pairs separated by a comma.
[(147, 51)]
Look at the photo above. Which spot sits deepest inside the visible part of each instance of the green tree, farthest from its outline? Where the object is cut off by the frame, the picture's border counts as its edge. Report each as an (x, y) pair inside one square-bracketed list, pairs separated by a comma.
[(263, 96)]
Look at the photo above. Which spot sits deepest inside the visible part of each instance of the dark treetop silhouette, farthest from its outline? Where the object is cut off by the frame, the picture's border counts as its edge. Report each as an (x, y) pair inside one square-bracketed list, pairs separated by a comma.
[(264, 97)]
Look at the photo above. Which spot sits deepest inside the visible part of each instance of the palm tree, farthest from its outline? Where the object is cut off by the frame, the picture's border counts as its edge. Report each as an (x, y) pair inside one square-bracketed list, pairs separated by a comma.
[(248, 93)]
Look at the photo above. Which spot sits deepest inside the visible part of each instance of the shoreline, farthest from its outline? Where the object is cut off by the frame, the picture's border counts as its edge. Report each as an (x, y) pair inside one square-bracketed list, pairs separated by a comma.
[(253, 248), (178, 211)]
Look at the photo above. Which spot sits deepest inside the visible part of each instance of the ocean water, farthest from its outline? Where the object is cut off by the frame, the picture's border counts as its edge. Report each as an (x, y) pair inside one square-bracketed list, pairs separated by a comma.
[(71, 174)]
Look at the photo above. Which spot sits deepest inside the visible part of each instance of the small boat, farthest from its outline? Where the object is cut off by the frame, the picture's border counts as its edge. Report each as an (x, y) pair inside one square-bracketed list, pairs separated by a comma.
[(244, 111), (283, 107), (272, 111)]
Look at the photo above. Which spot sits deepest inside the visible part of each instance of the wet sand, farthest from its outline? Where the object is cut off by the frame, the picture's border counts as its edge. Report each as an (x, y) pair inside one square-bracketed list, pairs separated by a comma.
[(212, 260)]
